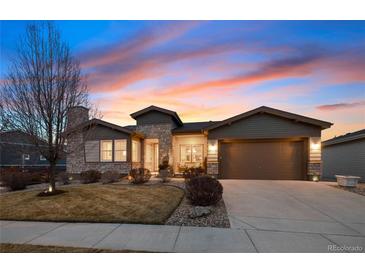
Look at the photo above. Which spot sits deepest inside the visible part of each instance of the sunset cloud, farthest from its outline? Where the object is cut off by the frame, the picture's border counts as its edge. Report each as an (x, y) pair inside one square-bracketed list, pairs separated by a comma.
[(334, 107), (297, 66)]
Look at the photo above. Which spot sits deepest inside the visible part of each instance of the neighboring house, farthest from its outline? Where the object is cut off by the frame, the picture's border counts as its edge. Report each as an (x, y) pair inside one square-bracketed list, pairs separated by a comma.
[(17, 150), (263, 143), (344, 155)]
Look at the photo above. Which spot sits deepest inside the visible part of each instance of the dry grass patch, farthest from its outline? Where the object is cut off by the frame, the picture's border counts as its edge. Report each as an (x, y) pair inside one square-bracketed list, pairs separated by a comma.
[(94, 203), (26, 248)]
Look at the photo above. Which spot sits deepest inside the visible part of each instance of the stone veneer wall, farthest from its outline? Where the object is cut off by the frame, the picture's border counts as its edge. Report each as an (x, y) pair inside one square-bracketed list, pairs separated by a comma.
[(75, 153), (314, 169), (212, 169), (163, 133)]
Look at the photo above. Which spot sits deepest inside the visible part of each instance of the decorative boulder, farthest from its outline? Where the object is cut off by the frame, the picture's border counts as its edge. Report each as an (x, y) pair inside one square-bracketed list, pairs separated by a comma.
[(200, 211)]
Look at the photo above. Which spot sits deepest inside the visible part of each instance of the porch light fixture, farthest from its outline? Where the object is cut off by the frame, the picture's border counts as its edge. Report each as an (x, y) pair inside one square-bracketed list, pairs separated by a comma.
[(315, 178), (212, 146), (315, 146)]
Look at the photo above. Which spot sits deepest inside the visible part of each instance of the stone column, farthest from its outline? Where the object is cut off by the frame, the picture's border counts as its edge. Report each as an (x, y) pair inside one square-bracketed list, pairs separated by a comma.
[(314, 159), (162, 132), (212, 159)]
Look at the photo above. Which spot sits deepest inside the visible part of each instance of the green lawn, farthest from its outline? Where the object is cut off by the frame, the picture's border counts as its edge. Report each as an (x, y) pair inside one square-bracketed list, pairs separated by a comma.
[(94, 203)]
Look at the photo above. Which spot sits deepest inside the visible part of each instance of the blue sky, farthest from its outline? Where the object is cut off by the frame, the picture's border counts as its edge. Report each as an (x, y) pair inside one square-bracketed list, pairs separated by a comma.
[(210, 70)]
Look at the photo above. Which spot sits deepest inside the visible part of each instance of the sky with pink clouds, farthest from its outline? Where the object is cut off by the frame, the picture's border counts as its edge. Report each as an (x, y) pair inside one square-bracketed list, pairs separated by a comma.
[(211, 70)]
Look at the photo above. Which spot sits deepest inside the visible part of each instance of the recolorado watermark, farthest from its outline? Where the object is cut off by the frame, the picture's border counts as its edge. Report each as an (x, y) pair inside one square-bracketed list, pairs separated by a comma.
[(345, 248)]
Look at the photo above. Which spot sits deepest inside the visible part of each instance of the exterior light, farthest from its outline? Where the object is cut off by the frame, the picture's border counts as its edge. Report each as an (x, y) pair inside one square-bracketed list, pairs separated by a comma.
[(315, 146), (50, 189), (315, 178), (212, 146)]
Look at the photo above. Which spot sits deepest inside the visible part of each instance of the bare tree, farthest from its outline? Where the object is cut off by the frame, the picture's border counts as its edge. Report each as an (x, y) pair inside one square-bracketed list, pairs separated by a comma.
[(44, 81)]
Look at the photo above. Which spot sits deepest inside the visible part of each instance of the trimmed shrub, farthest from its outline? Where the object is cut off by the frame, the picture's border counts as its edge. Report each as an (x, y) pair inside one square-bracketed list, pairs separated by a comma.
[(139, 175), (90, 176), (192, 172), (204, 191), (110, 176), (15, 180)]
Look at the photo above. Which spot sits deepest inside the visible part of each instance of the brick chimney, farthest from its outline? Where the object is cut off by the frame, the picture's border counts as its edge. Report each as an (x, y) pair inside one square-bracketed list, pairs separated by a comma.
[(77, 115)]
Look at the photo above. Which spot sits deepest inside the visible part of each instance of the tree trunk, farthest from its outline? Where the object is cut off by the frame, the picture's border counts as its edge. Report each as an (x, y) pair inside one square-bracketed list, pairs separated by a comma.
[(52, 177)]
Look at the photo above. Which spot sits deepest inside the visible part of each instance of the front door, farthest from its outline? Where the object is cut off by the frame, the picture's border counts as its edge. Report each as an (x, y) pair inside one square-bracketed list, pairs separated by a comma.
[(151, 155)]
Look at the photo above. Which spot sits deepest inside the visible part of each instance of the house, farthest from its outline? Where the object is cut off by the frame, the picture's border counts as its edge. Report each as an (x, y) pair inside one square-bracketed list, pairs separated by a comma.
[(344, 155), (18, 150), (263, 143)]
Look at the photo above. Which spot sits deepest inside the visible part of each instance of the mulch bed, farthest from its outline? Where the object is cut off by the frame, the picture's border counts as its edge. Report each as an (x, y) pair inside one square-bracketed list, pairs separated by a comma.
[(218, 217), (359, 189)]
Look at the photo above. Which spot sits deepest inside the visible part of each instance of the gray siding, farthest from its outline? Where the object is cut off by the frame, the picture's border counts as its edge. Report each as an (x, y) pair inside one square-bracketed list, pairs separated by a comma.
[(99, 132), (92, 151), (264, 126), (155, 117), (344, 159)]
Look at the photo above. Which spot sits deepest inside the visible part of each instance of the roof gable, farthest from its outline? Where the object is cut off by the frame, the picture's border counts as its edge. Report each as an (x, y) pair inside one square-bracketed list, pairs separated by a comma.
[(275, 112), (92, 122), (351, 136), (171, 113)]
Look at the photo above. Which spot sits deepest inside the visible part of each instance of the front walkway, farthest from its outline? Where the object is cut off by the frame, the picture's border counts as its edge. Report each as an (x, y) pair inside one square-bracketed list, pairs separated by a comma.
[(265, 216)]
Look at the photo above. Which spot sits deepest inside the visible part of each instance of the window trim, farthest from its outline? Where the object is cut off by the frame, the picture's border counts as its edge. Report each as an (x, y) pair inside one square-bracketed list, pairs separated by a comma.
[(101, 151), (138, 152), (191, 153), (126, 150)]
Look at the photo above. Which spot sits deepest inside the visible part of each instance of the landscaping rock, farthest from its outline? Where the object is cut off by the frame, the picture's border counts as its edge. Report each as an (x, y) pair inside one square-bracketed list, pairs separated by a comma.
[(217, 218), (200, 211)]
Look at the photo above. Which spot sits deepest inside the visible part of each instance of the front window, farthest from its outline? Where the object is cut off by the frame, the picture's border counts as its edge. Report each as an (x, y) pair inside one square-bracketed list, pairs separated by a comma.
[(120, 150), (136, 151), (106, 151), (191, 153)]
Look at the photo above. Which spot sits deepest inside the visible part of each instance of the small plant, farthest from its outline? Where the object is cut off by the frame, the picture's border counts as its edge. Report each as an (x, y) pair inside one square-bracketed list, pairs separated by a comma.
[(15, 180), (139, 175), (192, 172), (204, 191), (64, 178), (165, 170), (110, 176), (90, 176)]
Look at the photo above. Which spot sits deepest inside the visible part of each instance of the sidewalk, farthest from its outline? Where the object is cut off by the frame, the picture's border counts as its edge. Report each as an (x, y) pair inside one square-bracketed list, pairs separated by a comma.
[(155, 238), (163, 238)]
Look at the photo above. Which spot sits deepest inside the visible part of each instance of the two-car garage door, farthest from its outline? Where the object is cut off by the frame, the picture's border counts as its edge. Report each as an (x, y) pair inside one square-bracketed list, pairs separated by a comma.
[(270, 160)]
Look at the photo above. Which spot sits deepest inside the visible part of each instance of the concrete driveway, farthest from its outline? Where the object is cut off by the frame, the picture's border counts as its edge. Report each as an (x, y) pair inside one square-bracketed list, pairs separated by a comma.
[(296, 216)]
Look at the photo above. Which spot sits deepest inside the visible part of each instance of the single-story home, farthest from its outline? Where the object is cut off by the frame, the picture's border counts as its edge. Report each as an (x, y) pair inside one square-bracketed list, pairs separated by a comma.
[(263, 143), (344, 155)]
